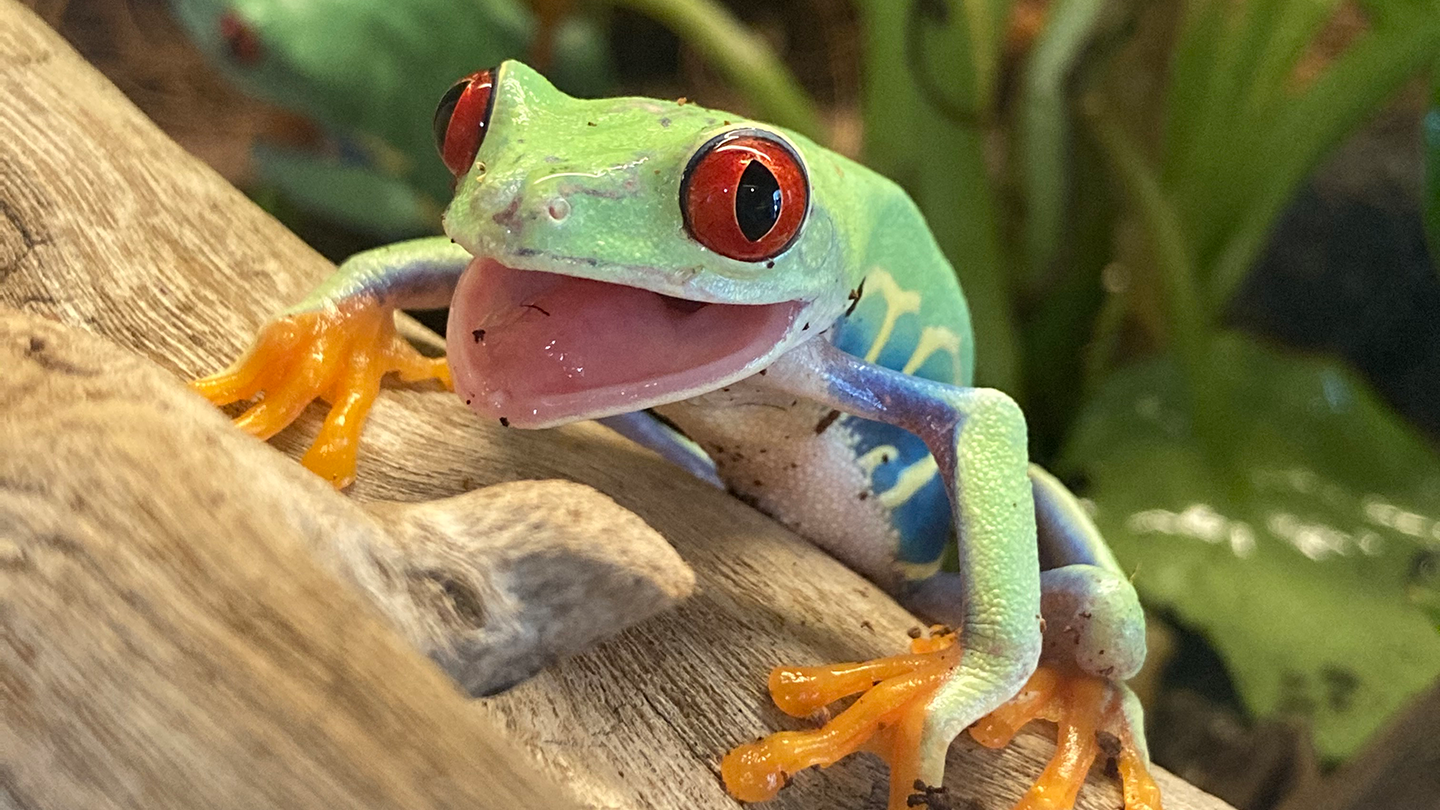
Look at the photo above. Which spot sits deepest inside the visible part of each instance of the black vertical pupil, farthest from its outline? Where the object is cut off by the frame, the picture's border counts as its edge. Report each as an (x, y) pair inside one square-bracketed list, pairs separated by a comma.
[(445, 110), (757, 201)]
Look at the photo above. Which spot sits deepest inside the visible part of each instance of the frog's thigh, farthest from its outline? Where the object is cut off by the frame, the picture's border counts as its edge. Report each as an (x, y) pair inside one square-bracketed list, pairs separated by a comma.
[(1066, 533), (1092, 614)]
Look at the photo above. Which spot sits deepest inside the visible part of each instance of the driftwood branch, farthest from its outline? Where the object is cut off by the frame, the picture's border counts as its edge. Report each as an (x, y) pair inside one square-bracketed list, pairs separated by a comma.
[(167, 638), (492, 584), (182, 639)]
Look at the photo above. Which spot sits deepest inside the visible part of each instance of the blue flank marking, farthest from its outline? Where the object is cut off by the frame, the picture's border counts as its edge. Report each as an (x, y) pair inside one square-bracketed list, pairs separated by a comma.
[(896, 351), (923, 521), (940, 367)]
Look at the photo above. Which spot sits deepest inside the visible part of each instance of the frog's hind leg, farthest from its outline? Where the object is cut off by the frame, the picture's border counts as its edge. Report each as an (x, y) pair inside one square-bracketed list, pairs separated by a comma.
[(913, 706), (1094, 641), (336, 345), (648, 430)]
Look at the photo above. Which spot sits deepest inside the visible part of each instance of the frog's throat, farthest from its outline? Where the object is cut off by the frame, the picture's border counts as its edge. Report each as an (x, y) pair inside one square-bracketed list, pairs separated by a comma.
[(537, 349)]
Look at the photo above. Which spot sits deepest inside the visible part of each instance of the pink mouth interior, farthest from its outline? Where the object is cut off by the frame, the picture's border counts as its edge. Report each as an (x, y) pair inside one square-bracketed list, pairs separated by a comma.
[(539, 348)]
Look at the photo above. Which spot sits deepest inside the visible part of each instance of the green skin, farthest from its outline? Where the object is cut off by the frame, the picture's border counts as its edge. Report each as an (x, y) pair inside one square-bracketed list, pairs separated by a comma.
[(618, 163), (370, 71)]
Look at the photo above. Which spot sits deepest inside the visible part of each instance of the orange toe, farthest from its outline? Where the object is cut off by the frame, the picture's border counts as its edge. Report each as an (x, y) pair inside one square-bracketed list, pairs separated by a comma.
[(1081, 707), (886, 719), (1075, 749), (998, 728), (801, 691), (1141, 792), (889, 717), (255, 370), (337, 353)]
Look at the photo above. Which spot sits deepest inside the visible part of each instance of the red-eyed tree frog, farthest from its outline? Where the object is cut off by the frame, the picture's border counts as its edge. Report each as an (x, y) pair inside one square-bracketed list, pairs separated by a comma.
[(789, 312)]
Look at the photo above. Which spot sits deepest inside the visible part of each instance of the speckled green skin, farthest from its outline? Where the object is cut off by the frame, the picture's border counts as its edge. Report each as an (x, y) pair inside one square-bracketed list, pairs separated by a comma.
[(591, 189)]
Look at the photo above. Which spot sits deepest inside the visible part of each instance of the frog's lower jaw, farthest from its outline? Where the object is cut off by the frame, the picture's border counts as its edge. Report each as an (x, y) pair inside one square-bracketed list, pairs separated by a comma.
[(537, 349)]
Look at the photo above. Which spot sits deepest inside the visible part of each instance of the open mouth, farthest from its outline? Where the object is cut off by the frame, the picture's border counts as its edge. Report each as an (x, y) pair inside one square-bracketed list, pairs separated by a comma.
[(538, 349)]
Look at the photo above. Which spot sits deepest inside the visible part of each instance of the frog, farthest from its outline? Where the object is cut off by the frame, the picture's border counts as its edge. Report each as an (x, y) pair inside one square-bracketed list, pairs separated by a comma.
[(776, 317)]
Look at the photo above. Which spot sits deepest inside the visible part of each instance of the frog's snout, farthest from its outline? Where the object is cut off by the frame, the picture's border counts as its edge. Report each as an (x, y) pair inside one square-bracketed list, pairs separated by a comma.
[(533, 206)]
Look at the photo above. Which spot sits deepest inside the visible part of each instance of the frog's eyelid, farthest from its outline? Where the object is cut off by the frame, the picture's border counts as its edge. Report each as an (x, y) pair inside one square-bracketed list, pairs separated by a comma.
[(462, 118)]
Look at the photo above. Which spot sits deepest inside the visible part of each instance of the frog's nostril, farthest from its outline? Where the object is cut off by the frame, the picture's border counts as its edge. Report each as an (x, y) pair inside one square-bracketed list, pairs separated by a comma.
[(559, 209)]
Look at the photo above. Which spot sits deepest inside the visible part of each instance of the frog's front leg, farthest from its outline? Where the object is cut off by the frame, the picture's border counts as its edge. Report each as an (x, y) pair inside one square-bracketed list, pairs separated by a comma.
[(337, 344), (1094, 642), (913, 705), (922, 702)]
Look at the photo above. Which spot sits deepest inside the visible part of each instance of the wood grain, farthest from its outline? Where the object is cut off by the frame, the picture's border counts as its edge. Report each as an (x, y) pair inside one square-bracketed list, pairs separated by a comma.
[(167, 636), (107, 226)]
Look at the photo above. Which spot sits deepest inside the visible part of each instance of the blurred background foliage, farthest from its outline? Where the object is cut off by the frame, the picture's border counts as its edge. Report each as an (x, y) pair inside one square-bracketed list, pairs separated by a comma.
[(1192, 235)]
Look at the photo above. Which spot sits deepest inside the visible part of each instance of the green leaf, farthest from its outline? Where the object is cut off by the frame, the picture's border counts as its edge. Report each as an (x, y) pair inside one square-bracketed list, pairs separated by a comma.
[(1431, 202), (1349, 91), (742, 56), (358, 196), (1045, 129), (1308, 556)]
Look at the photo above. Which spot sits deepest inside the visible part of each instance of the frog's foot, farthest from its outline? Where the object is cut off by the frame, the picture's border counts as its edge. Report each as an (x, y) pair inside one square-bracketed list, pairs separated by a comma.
[(336, 353), (887, 719), (1093, 715)]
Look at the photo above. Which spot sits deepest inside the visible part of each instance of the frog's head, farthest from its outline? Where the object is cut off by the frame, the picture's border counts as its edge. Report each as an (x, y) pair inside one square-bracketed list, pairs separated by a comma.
[(629, 252)]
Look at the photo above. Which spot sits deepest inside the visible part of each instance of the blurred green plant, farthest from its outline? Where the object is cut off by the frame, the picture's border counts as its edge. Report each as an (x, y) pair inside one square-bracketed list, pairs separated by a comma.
[(1337, 632), (1432, 170), (741, 56), (369, 74)]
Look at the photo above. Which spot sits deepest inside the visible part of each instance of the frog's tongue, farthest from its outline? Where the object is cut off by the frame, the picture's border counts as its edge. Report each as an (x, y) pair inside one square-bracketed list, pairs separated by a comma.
[(539, 348)]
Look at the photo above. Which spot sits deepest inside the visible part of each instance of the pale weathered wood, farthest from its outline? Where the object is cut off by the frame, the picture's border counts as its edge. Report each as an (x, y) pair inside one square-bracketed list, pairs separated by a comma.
[(493, 584), (496, 583), (109, 227), (167, 638)]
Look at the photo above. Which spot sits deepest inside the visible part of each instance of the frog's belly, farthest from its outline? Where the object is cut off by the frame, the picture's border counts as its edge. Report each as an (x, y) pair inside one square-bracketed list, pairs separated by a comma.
[(865, 492)]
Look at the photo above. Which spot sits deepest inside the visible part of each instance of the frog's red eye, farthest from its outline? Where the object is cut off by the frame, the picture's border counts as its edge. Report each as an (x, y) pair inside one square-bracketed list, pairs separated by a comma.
[(240, 39), (744, 196), (461, 119)]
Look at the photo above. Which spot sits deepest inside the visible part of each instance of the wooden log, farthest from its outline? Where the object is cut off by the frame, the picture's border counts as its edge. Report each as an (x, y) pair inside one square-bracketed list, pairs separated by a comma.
[(492, 584), (106, 226), (167, 636)]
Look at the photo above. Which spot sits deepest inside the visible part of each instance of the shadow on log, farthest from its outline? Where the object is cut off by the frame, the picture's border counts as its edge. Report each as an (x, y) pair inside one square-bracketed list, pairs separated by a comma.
[(195, 648)]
